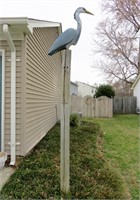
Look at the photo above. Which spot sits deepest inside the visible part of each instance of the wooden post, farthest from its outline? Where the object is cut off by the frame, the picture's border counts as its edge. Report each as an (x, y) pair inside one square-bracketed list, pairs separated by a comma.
[(65, 122)]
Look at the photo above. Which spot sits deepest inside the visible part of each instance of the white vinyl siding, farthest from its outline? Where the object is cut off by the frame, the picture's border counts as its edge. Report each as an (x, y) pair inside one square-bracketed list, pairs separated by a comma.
[(43, 85), (38, 88)]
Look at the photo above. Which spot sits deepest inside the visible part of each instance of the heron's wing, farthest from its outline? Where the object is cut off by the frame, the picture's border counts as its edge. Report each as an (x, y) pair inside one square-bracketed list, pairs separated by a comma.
[(62, 41)]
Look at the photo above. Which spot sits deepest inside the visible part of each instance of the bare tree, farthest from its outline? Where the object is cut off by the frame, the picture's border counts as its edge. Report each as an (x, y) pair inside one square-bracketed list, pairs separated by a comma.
[(117, 44), (126, 11)]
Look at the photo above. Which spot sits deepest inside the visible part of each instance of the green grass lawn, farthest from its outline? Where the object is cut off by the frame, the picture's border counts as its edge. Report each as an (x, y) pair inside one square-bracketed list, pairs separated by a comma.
[(91, 175), (122, 145)]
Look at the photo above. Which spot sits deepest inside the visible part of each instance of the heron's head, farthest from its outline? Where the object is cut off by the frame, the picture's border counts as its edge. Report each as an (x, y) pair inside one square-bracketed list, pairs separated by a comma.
[(82, 10)]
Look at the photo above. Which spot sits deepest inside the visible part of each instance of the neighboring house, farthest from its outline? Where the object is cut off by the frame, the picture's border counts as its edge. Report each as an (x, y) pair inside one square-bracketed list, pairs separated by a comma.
[(30, 87), (73, 88), (136, 90), (85, 89)]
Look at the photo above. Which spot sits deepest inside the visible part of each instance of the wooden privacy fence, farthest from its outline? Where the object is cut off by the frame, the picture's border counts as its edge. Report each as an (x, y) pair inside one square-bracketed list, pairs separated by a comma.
[(92, 107), (124, 105)]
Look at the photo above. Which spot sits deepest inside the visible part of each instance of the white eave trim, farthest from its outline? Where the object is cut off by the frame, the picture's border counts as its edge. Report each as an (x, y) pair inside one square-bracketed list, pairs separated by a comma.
[(14, 20), (43, 25), (20, 25), (33, 23)]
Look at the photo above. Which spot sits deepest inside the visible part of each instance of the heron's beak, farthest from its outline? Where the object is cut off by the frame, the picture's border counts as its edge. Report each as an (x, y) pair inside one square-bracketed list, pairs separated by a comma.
[(89, 12)]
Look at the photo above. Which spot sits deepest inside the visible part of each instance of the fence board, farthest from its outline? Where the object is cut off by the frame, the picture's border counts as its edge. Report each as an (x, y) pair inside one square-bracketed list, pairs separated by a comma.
[(104, 107), (124, 105), (117, 105), (92, 107), (76, 104), (88, 107)]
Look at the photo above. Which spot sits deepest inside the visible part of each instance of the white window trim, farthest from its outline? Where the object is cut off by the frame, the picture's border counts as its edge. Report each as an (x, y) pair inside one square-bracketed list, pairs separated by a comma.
[(2, 52)]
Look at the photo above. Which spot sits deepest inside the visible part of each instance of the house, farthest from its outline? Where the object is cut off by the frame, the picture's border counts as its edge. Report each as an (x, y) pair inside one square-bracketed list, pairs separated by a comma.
[(85, 89), (73, 88), (30, 87), (136, 90)]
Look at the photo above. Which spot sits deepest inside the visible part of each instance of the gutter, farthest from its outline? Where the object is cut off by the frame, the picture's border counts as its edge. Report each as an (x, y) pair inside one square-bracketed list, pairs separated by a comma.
[(13, 93)]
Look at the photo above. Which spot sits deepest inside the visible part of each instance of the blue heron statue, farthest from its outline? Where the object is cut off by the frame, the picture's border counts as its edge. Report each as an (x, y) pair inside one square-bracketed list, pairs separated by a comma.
[(64, 41), (70, 36)]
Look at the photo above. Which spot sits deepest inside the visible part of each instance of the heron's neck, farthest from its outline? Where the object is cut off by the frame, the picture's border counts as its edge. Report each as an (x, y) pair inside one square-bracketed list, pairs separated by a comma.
[(79, 25), (79, 22)]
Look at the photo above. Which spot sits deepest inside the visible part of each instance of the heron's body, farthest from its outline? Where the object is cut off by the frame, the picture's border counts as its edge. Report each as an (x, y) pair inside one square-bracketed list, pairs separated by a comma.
[(66, 39), (70, 36)]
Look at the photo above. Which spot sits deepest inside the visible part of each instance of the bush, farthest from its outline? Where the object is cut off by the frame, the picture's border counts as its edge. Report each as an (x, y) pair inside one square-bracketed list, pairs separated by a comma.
[(105, 90), (74, 119)]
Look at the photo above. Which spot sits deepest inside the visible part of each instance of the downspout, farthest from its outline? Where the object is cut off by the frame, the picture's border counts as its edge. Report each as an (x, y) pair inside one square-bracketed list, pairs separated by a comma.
[(13, 93)]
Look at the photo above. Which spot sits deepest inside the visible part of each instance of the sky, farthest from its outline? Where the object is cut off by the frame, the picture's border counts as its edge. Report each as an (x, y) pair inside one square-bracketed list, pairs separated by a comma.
[(63, 11)]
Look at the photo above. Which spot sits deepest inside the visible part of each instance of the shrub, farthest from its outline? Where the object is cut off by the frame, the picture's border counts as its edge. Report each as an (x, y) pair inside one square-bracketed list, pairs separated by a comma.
[(105, 90), (74, 119)]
